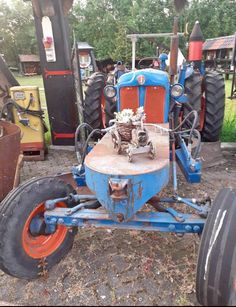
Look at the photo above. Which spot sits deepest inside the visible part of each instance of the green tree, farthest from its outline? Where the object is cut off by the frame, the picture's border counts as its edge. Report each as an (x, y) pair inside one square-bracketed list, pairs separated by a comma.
[(217, 17), (17, 29), (105, 23)]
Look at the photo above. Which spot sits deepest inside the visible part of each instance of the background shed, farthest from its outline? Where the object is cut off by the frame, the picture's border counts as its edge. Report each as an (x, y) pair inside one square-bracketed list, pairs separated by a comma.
[(29, 64), (218, 52)]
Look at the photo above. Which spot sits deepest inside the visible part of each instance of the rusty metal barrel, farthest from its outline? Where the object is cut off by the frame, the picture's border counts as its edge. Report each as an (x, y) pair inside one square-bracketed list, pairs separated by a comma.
[(9, 153)]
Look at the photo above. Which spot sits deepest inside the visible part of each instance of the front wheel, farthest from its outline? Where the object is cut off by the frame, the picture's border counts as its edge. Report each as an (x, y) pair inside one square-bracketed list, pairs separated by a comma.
[(27, 249), (216, 272)]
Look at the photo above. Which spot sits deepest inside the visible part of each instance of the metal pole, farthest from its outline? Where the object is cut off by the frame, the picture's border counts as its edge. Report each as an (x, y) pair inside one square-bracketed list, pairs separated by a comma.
[(134, 40), (174, 51), (154, 35)]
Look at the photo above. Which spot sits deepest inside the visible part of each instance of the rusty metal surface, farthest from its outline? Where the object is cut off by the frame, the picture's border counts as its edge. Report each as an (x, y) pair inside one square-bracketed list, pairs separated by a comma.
[(46, 8), (104, 159), (4, 88), (118, 189), (179, 5), (43, 8), (68, 178), (7, 80), (174, 50), (67, 5), (9, 153)]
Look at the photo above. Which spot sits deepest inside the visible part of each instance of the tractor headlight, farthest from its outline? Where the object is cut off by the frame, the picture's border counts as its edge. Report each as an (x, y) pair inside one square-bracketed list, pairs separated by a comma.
[(110, 92), (177, 90)]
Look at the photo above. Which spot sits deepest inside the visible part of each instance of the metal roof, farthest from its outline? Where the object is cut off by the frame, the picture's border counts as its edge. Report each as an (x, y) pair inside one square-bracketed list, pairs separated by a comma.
[(226, 42), (29, 58), (84, 46)]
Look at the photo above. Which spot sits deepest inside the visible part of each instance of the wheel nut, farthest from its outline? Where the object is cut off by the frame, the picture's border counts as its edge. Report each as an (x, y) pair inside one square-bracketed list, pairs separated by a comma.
[(60, 221), (120, 217)]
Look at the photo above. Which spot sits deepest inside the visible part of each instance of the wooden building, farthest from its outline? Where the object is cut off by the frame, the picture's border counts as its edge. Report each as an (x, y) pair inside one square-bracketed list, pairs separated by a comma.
[(218, 53), (29, 64)]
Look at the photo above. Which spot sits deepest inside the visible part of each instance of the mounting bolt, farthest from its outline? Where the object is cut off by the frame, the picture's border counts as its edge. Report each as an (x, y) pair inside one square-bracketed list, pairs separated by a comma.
[(172, 227), (196, 229), (74, 222), (53, 221), (120, 217), (188, 228), (60, 221)]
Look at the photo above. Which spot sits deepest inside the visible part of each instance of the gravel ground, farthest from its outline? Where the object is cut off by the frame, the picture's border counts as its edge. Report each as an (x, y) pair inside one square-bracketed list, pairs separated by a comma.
[(120, 267)]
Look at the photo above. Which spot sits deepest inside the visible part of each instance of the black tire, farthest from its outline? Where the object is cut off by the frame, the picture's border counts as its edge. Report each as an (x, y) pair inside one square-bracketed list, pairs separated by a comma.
[(14, 212), (216, 269), (193, 89), (4, 205), (214, 89), (93, 100), (110, 109)]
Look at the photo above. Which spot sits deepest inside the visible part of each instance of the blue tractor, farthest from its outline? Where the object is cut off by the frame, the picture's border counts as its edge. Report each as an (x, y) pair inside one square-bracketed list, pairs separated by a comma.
[(128, 167), (204, 89)]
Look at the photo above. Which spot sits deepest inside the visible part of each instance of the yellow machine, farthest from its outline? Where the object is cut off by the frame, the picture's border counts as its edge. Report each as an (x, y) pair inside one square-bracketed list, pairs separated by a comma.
[(29, 118)]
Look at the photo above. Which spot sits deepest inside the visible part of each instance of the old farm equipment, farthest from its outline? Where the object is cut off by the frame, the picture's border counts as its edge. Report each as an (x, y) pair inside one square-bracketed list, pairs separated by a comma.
[(7, 80), (9, 155), (205, 90), (39, 219)]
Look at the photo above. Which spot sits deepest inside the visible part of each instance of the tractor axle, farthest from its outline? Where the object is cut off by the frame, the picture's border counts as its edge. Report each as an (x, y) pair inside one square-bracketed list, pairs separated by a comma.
[(148, 221)]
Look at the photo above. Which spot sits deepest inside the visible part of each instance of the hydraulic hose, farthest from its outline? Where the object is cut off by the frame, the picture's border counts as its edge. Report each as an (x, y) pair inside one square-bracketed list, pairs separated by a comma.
[(77, 132), (86, 143), (9, 103), (21, 109), (81, 153), (198, 147)]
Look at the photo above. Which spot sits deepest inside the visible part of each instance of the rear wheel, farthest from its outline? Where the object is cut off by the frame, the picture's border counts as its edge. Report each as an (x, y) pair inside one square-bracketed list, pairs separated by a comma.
[(26, 253), (193, 89), (93, 101), (216, 272), (213, 106), (110, 109)]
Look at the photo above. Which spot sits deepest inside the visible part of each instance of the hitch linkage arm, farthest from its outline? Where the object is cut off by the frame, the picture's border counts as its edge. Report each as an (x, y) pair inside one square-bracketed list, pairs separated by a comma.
[(71, 200)]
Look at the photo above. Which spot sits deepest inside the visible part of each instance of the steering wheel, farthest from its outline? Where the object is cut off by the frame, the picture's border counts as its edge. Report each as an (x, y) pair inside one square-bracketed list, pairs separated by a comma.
[(148, 64)]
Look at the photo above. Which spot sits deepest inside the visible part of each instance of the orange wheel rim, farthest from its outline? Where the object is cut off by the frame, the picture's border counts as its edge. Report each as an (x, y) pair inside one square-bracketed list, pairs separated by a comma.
[(43, 245)]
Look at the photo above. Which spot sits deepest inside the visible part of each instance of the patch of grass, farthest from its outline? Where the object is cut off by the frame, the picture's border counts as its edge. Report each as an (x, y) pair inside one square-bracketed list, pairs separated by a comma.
[(30, 80), (47, 135), (228, 133)]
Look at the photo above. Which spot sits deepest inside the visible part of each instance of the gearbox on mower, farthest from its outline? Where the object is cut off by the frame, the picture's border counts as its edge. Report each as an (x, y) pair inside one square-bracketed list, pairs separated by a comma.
[(39, 219)]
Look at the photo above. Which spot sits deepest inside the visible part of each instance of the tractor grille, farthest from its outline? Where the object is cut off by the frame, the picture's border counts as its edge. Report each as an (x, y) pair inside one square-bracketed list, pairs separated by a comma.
[(151, 97)]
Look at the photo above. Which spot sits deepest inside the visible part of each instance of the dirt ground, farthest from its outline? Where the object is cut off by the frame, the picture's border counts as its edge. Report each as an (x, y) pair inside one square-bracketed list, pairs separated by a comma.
[(122, 267)]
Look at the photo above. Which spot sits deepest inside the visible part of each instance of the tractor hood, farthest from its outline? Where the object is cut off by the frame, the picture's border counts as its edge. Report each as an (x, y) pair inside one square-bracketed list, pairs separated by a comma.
[(151, 77), (148, 88)]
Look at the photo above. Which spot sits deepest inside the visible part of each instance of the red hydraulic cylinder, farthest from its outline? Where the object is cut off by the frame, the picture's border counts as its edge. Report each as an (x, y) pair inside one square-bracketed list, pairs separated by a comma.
[(196, 44)]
